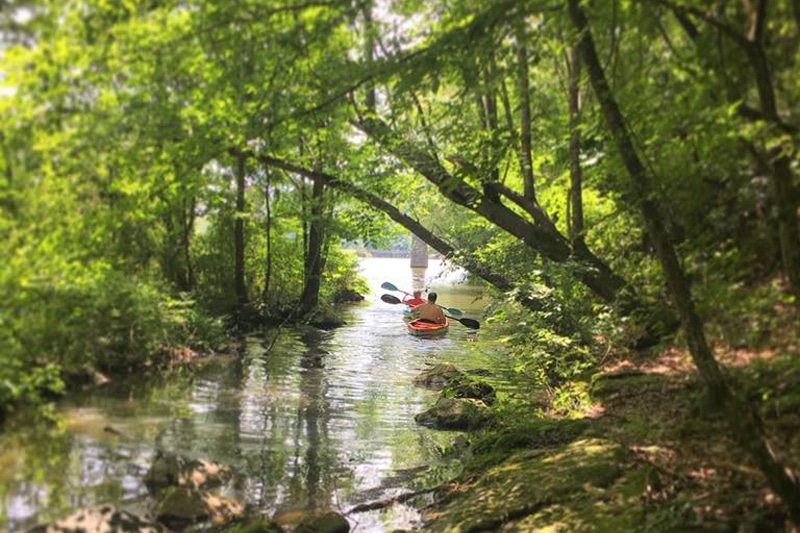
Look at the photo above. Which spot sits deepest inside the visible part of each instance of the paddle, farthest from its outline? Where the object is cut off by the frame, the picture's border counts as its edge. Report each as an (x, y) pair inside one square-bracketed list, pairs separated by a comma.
[(452, 310), (468, 322)]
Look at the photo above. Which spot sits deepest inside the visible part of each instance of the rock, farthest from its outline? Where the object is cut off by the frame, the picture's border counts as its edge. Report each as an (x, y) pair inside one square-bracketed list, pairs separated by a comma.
[(455, 383), (465, 387), (326, 321), (459, 414), (105, 519), (170, 470), (325, 523), (545, 489), (482, 372), (437, 377), (180, 507), (347, 296)]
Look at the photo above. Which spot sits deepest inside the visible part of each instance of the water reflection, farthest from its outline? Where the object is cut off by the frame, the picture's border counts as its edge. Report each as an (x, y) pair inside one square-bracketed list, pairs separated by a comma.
[(308, 419)]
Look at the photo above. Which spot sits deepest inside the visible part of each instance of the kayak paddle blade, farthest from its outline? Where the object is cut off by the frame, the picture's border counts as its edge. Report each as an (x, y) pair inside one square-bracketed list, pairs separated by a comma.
[(389, 299), (472, 324)]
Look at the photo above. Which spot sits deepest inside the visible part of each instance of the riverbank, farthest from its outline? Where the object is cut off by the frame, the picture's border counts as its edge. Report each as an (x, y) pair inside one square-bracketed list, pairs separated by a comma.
[(648, 454)]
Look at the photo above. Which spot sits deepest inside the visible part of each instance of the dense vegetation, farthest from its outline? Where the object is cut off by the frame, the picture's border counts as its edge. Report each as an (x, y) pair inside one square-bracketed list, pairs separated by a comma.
[(614, 169)]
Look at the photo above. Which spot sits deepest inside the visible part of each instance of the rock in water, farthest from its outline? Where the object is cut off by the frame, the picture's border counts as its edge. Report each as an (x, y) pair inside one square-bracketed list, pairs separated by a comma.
[(105, 519)]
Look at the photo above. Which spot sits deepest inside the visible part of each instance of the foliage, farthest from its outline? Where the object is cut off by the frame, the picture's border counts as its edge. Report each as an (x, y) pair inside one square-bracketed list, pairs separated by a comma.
[(546, 364), (123, 125)]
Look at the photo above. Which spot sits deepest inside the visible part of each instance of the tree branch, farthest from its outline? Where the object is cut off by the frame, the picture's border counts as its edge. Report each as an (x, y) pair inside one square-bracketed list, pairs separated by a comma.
[(681, 11)]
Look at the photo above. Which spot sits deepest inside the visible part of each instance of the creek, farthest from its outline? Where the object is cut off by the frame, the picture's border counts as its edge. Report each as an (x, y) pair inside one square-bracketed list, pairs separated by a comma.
[(308, 419)]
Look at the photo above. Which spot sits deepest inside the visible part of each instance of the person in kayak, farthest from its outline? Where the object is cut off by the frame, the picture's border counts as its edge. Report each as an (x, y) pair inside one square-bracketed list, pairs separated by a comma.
[(416, 299), (429, 312)]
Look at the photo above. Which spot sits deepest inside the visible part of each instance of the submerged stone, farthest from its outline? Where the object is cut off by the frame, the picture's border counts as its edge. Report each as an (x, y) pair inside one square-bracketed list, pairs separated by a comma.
[(171, 470), (105, 519), (182, 507)]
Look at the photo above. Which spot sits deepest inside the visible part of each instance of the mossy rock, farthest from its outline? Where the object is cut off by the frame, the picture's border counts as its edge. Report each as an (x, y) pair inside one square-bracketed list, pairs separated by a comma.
[(458, 414), (607, 385), (464, 386), (180, 507), (106, 518), (529, 482), (437, 377), (327, 321), (169, 469), (494, 446)]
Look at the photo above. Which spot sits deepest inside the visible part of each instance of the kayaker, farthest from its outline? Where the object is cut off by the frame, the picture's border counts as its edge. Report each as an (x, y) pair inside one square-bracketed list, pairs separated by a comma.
[(429, 311), (416, 299)]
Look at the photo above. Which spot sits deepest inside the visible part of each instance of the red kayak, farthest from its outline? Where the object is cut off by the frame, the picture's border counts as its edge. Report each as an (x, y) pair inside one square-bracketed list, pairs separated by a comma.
[(420, 328)]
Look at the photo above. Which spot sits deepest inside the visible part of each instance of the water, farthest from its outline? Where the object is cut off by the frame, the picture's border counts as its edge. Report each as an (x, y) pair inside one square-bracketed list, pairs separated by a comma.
[(309, 420)]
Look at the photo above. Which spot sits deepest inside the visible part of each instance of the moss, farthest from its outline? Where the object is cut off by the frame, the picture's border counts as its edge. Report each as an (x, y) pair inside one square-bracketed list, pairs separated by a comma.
[(532, 480), (464, 386), (607, 385), (492, 447), (456, 414), (256, 527)]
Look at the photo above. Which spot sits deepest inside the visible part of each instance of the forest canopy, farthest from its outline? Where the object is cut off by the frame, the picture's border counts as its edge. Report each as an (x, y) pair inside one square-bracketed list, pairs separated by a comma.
[(615, 169)]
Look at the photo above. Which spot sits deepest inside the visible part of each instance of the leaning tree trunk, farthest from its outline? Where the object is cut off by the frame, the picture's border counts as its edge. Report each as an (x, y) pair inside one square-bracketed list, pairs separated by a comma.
[(542, 240), (744, 421), (465, 260)]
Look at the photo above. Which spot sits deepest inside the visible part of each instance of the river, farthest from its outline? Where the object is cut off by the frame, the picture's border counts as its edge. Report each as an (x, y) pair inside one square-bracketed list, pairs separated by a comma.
[(308, 419)]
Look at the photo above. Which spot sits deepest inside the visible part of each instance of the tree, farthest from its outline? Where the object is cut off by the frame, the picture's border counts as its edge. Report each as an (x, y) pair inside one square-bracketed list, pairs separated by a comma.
[(777, 158), (742, 417)]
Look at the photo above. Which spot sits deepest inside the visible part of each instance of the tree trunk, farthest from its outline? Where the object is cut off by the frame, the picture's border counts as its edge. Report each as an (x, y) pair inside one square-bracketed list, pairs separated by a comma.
[(576, 179), (492, 120), (313, 263), (369, 50), (525, 139), (741, 416), (240, 285), (796, 13), (268, 235), (188, 218), (784, 192), (465, 260)]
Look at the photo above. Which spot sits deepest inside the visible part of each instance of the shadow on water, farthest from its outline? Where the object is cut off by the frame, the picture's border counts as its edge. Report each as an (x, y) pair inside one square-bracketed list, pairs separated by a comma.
[(309, 420)]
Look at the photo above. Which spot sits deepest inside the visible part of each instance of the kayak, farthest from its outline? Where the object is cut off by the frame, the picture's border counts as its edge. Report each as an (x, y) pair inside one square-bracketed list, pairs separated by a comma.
[(411, 304), (427, 329)]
